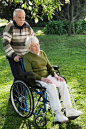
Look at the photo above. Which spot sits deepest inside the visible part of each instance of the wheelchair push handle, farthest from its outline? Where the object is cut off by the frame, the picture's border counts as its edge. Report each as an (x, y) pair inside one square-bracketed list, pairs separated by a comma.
[(22, 64)]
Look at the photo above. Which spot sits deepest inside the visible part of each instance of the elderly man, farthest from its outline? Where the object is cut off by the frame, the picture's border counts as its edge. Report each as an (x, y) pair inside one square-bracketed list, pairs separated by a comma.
[(14, 37)]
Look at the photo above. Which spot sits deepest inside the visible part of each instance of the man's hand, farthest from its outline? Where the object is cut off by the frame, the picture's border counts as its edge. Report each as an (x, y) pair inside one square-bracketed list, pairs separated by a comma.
[(58, 78), (16, 58), (47, 80)]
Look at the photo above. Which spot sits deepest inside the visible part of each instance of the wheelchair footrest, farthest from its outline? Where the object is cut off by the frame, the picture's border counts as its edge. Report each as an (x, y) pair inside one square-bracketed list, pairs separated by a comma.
[(72, 117), (57, 122)]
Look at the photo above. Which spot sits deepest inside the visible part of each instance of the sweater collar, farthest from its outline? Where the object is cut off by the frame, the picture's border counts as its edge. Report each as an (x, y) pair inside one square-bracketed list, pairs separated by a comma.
[(20, 27)]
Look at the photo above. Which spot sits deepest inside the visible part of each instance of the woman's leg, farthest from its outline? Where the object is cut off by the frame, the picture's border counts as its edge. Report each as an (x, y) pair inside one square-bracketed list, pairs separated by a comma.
[(63, 91), (53, 96), (70, 112), (54, 101)]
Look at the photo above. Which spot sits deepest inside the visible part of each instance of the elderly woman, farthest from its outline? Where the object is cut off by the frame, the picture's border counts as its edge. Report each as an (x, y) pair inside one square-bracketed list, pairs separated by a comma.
[(36, 61)]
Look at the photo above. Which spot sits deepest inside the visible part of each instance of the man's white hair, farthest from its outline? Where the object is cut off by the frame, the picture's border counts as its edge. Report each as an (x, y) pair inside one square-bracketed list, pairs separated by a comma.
[(29, 40), (17, 10)]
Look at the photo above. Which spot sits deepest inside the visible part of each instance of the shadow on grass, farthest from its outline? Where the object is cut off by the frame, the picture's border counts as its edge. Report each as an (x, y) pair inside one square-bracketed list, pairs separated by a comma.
[(14, 121), (70, 125)]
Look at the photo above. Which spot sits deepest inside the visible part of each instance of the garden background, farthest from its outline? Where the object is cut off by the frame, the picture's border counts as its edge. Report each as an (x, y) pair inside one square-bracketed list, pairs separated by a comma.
[(63, 38)]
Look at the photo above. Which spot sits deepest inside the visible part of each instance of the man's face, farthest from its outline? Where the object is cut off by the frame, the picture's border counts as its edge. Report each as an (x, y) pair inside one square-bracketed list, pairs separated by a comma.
[(19, 18)]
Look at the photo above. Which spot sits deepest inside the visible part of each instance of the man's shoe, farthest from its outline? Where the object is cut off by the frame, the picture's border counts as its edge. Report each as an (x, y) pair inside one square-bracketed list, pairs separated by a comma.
[(61, 118), (73, 113)]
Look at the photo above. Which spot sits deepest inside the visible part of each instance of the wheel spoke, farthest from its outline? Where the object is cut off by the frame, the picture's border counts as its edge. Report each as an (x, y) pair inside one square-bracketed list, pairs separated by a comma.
[(24, 105)]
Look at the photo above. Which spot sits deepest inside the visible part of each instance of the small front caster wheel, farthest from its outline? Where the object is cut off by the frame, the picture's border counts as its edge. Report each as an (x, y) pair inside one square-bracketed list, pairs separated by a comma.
[(40, 120)]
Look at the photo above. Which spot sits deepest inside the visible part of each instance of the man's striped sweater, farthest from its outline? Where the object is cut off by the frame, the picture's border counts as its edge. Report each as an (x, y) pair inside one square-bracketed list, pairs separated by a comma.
[(14, 38)]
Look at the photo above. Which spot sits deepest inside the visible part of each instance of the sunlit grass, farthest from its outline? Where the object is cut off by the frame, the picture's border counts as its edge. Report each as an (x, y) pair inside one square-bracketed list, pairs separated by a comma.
[(3, 22)]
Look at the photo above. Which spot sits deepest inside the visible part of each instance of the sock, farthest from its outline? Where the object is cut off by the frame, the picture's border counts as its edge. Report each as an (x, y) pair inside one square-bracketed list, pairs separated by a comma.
[(67, 107)]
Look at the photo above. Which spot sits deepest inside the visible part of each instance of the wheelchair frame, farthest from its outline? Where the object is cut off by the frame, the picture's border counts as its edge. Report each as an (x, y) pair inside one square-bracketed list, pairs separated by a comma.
[(22, 99)]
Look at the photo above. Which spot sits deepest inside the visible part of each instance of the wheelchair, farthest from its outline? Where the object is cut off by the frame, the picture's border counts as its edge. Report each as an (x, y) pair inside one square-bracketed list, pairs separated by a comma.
[(26, 94)]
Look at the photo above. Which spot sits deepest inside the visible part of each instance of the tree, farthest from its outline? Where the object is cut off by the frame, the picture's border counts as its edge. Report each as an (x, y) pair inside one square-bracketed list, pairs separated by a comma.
[(7, 7), (48, 7), (72, 12)]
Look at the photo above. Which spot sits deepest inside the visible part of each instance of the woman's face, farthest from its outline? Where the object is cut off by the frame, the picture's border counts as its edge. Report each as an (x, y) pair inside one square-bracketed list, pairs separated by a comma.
[(35, 48)]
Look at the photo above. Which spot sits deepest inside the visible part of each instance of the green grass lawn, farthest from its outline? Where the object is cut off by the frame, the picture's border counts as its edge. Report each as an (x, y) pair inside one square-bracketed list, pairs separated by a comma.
[(69, 53)]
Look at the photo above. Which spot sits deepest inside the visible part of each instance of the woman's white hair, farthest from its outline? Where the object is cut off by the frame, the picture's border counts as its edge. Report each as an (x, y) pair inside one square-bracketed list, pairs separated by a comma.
[(29, 40)]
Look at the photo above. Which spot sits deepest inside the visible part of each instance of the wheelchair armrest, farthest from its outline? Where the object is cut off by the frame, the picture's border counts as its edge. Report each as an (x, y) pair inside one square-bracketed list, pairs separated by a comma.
[(26, 73), (31, 81), (55, 67), (39, 86)]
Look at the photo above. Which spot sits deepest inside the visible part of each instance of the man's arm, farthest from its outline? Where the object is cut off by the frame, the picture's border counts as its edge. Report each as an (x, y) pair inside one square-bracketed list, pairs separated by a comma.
[(7, 37)]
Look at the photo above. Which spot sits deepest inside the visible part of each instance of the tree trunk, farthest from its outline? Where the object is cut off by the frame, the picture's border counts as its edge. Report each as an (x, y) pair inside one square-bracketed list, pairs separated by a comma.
[(71, 18), (69, 31)]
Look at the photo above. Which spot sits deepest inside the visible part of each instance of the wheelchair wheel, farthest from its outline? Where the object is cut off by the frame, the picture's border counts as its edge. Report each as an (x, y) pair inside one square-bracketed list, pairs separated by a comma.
[(22, 99), (40, 120)]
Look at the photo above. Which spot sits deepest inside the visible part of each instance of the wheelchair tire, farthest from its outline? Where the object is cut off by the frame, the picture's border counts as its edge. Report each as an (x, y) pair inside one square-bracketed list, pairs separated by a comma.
[(40, 121), (22, 99)]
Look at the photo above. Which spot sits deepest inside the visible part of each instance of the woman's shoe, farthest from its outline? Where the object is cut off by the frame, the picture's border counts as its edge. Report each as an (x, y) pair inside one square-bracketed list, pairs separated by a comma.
[(61, 118), (73, 113)]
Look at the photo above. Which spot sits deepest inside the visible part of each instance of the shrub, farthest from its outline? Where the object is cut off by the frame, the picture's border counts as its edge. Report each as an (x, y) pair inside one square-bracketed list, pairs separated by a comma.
[(61, 27), (77, 27), (83, 27), (56, 27)]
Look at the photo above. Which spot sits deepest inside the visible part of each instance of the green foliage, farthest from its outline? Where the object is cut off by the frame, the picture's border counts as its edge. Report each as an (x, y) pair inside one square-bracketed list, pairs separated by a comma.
[(3, 22), (61, 27), (35, 9), (17, 1), (48, 7), (56, 27), (79, 27)]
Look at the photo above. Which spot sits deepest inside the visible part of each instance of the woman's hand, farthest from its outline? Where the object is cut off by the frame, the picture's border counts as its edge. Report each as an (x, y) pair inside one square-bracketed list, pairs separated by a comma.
[(47, 80), (58, 78)]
